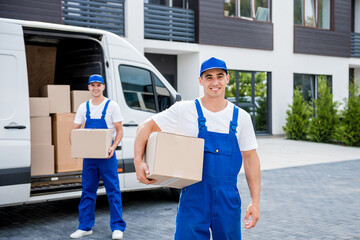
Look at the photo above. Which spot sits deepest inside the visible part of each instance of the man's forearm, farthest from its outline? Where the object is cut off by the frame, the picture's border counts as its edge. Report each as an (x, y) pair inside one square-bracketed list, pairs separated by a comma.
[(117, 139), (142, 135), (253, 177)]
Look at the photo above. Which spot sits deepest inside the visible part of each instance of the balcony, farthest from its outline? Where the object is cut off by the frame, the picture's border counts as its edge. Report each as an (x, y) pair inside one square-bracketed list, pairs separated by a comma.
[(169, 23), (100, 14), (355, 44)]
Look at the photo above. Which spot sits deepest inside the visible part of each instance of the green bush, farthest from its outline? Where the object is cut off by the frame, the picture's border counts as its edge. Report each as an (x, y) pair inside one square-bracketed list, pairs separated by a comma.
[(322, 126), (297, 119), (350, 124)]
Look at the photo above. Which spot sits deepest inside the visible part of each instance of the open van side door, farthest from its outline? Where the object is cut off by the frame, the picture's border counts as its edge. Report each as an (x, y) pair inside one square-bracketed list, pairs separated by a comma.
[(14, 117)]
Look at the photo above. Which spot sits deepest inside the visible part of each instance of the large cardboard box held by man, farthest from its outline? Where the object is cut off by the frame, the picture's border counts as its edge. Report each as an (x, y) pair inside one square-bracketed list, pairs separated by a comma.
[(174, 161), (90, 143), (62, 124)]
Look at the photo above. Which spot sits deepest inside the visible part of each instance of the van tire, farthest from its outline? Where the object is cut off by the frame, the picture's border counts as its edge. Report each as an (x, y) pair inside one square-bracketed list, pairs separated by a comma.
[(175, 194)]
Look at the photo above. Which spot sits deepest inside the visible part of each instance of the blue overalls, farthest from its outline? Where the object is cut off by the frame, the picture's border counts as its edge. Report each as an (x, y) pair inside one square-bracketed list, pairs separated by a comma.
[(93, 169), (215, 201)]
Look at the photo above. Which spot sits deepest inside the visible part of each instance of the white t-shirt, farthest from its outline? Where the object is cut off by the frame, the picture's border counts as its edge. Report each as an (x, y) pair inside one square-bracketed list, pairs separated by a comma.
[(112, 115), (182, 118)]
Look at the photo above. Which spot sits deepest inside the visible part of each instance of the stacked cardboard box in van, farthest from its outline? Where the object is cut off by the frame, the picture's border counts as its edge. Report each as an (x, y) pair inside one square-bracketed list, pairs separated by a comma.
[(50, 142), (78, 97), (42, 152), (62, 122)]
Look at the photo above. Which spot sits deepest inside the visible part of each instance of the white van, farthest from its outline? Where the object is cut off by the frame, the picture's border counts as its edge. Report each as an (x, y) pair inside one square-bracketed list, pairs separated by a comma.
[(72, 54)]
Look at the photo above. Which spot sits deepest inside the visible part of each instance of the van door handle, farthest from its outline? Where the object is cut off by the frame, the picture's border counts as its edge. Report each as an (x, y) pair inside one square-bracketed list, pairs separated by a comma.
[(130, 124), (15, 127)]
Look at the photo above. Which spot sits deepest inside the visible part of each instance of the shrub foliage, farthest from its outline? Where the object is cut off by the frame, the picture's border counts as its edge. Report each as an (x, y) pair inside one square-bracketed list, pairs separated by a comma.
[(350, 124), (297, 119), (322, 127)]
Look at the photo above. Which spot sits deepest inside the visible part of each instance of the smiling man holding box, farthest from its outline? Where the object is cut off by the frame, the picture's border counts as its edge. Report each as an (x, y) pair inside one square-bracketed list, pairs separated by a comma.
[(100, 113), (214, 203)]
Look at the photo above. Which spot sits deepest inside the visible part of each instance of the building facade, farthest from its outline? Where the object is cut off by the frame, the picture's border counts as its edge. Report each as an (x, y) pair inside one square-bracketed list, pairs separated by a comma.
[(270, 47)]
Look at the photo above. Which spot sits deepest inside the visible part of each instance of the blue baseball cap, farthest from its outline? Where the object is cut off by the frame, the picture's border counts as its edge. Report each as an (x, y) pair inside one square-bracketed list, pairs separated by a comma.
[(96, 78), (212, 63)]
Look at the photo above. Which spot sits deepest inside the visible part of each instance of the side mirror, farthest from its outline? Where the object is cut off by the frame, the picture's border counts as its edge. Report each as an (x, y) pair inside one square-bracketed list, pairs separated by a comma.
[(178, 97)]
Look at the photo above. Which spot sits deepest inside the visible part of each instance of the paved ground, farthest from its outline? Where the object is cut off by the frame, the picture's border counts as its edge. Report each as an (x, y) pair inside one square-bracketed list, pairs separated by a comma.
[(312, 192)]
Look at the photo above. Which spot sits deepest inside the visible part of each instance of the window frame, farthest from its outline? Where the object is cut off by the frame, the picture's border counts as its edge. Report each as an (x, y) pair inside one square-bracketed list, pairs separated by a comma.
[(252, 103), (152, 78), (315, 78), (253, 12), (331, 12)]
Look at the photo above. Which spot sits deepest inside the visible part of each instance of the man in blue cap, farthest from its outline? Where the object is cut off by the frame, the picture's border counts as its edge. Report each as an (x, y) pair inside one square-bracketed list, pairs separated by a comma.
[(101, 113), (214, 203)]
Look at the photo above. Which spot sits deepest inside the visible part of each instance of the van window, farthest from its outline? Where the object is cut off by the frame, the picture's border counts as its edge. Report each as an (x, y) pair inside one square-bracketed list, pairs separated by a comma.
[(163, 94), (138, 87)]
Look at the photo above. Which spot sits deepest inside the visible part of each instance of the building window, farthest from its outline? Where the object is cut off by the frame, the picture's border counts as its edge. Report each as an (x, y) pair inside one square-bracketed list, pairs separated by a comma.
[(308, 84), (249, 9), (312, 13), (251, 92)]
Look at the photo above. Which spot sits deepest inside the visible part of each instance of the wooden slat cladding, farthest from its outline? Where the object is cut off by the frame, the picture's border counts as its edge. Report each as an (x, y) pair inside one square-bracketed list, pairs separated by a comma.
[(216, 29), (34, 10), (334, 42)]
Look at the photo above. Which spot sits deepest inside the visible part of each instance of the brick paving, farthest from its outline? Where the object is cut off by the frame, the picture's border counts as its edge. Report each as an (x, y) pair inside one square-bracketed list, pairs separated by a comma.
[(319, 201)]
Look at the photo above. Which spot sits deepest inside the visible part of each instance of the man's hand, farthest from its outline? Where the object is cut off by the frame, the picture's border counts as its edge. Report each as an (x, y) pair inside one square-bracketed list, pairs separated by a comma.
[(142, 170), (254, 212), (111, 151)]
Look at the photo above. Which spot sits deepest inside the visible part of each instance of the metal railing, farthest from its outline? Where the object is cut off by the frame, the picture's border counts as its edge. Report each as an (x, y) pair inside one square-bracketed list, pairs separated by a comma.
[(169, 23), (100, 14), (355, 44)]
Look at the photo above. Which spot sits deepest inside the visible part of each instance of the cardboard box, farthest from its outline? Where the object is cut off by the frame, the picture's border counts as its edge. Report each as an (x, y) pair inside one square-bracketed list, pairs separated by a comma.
[(62, 124), (40, 130), (174, 161), (90, 143), (39, 107), (42, 160), (78, 97), (59, 97)]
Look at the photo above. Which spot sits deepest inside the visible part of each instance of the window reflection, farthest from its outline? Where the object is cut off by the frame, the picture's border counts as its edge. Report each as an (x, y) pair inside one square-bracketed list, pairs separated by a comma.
[(312, 13), (249, 90), (254, 9), (163, 94), (308, 84), (137, 87)]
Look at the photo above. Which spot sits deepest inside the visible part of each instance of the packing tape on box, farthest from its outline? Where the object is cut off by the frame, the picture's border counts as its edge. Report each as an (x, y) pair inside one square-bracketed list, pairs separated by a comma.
[(168, 182)]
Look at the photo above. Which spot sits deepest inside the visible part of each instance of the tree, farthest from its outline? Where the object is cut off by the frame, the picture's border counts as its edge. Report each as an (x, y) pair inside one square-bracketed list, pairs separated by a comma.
[(350, 124), (322, 126), (297, 119)]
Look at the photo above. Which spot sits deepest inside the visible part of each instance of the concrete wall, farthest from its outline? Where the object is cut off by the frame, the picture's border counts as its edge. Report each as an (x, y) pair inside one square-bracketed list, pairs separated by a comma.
[(134, 23)]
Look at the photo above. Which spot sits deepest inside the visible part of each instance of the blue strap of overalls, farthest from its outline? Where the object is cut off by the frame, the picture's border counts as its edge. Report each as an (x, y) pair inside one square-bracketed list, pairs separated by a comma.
[(105, 108), (87, 110), (103, 112), (201, 118), (234, 122)]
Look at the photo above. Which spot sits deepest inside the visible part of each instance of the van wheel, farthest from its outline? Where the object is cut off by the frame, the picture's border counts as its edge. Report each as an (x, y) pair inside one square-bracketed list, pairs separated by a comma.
[(175, 193)]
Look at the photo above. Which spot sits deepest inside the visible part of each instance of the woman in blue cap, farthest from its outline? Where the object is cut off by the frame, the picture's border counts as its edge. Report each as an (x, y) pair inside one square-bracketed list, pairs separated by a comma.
[(214, 203), (101, 113)]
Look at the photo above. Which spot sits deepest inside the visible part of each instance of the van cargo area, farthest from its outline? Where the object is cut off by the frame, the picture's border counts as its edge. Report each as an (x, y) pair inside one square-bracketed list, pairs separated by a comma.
[(60, 58)]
